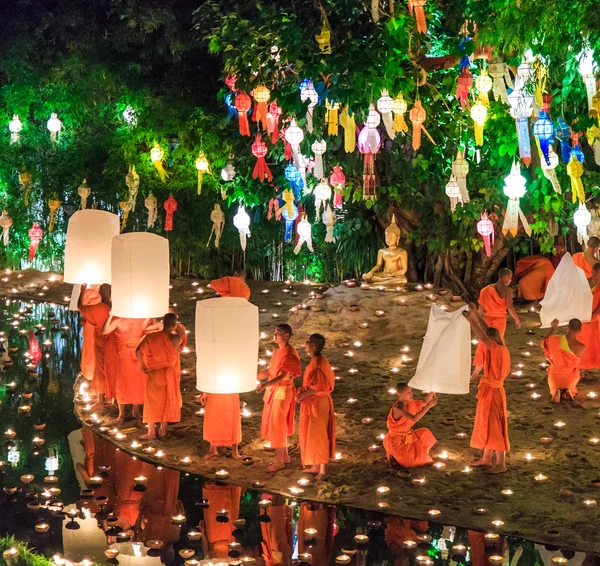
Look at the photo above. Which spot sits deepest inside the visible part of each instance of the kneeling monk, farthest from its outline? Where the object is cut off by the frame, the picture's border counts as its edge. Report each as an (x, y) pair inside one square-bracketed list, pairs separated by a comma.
[(490, 431), (410, 448), (564, 354), (317, 420), (158, 354)]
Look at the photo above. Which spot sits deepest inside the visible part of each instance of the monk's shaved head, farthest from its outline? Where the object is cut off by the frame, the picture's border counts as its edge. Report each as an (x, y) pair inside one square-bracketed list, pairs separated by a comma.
[(593, 242), (169, 321), (401, 387), (241, 273), (575, 323), (285, 329), (319, 342), (504, 272)]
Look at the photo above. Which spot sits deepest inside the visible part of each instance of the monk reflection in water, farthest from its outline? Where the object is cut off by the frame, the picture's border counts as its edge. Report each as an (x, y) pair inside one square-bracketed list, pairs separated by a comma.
[(277, 546), (490, 431), (321, 517)]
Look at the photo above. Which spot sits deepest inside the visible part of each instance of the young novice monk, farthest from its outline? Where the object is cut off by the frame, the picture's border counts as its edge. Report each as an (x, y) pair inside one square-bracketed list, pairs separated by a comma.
[(317, 420), (490, 431), (410, 448)]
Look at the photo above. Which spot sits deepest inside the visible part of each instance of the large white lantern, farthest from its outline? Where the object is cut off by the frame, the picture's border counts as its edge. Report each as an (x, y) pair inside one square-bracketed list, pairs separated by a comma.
[(226, 345), (140, 275), (88, 246)]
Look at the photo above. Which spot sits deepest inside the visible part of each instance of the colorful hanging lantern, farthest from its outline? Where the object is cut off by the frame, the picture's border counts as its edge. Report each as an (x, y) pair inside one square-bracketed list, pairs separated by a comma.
[(294, 136), (151, 205), (289, 216), (14, 127), (399, 108), (575, 171), (230, 81), (6, 223), (202, 167), (35, 237), (288, 198), (385, 105), (130, 116), (463, 87), (308, 93), (460, 169), (576, 149), (417, 116), (582, 219), (369, 142), (498, 72), (514, 189), (329, 221), (217, 217), (156, 156), (54, 126), (332, 117), (563, 135), (54, 205), (243, 104), (543, 130), (132, 180), (416, 9), (485, 228), (348, 122), (242, 222), (338, 180), (483, 84), (231, 110), (125, 208), (319, 148), (588, 68), (593, 137), (453, 192), (26, 180), (521, 109), (294, 177), (261, 97), (322, 194), (173, 142), (323, 40), (261, 169), (304, 233), (479, 114), (170, 206), (84, 192), (273, 117), (549, 170), (525, 71), (228, 172)]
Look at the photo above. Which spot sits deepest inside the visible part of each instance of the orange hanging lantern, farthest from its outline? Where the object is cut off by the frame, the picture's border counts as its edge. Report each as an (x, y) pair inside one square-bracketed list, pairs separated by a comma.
[(261, 97), (35, 237), (243, 105), (170, 206), (416, 8), (417, 116), (261, 169)]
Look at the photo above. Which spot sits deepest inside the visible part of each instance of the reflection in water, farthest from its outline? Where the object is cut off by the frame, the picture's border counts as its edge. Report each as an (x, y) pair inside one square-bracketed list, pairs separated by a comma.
[(107, 505)]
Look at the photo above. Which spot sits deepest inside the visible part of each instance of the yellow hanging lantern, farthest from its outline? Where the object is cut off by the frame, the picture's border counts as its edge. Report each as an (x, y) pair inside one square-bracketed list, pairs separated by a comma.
[(54, 205), (575, 171), (156, 155), (288, 198), (332, 117), (399, 108), (324, 40), (348, 123), (479, 114), (26, 179), (202, 166), (483, 84), (261, 96), (125, 208)]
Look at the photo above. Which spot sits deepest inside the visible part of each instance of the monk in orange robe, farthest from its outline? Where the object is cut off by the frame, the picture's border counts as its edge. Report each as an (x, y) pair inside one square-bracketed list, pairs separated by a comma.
[(277, 545), (590, 331), (232, 286), (131, 380), (95, 309), (280, 396), (217, 534), (410, 448), (533, 274), (317, 419), (222, 420), (490, 431), (494, 301), (321, 517), (564, 354), (158, 355), (588, 258)]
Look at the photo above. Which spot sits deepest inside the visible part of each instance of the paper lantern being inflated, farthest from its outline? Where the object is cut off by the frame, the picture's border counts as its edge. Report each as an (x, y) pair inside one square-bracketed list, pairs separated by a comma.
[(140, 275), (226, 345), (88, 246)]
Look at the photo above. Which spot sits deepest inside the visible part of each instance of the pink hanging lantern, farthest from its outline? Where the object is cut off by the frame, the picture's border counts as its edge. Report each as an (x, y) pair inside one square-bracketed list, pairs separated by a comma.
[(35, 237), (261, 169), (170, 205), (243, 103), (485, 228), (464, 84), (369, 142), (230, 82), (273, 117), (338, 180)]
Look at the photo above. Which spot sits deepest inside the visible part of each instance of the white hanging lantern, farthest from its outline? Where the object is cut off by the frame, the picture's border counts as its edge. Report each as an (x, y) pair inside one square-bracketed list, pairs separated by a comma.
[(385, 105), (151, 205), (228, 172), (88, 246), (460, 169), (453, 192), (549, 170), (140, 275), (217, 218), (132, 180), (514, 189), (227, 341), (15, 126), (6, 223), (582, 219), (242, 222), (329, 221), (319, 148), (294, 136), (521, 109), (322, 194), (304, 232), (309, 93), (54, 126), (84, 192), (588, 68)]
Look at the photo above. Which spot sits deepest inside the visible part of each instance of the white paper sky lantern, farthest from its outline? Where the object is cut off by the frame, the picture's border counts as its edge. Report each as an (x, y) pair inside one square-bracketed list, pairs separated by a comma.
[(88, 246), (226, 345), (140, 275)]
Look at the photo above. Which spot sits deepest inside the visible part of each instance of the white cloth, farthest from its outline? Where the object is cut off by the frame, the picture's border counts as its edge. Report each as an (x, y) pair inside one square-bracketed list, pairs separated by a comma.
[(445, 360), (75, 297), (568, 295)]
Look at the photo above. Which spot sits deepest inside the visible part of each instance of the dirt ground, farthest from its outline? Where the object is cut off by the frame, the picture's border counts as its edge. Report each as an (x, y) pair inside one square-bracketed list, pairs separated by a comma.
[(551, 511)]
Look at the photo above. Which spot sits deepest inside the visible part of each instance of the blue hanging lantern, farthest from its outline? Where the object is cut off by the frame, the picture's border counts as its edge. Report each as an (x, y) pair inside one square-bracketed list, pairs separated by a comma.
[(543, 130), (294, 177), (231, 109), (563, 135), (173, 142), (578, 153), (289, 221)]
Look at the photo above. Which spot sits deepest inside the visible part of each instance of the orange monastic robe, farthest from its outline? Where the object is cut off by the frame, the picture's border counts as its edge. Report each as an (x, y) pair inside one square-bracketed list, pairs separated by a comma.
[(219, 535), (491, 420), (105, 350), (580, 261), (495, 316), (127, 502), (534, 273), (88, 356), (590, 336), (277, 546), (231, 287), (131, 380), (410, 448), (321, 517), (280, 401), (563, 372), (317, 419), (163, 397)]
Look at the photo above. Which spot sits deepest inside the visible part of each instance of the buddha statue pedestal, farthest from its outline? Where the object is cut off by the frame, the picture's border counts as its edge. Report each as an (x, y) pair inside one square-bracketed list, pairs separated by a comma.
[(392, 262)]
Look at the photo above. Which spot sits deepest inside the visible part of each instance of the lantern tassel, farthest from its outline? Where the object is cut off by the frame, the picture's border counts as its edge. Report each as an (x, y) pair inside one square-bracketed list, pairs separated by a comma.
[(416, 137), (400, 123), (318, 168), (348, 123), (478, 127), (524, 141), (161, 170), (244, 125), (420, 17), (550, 174), (261, 170), (332, 118), (369, 181)]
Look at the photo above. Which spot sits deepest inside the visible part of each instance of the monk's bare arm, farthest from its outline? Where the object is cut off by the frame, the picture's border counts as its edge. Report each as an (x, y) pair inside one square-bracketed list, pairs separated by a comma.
[(478, 325), (282, 375), (262, 375), (176, 340), (138, 355), (511, 309), (552, 330), (399, 411), (110, 325)]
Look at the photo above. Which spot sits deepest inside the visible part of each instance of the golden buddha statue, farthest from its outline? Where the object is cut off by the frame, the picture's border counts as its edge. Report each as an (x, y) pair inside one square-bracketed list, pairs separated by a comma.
[(393, 260)]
